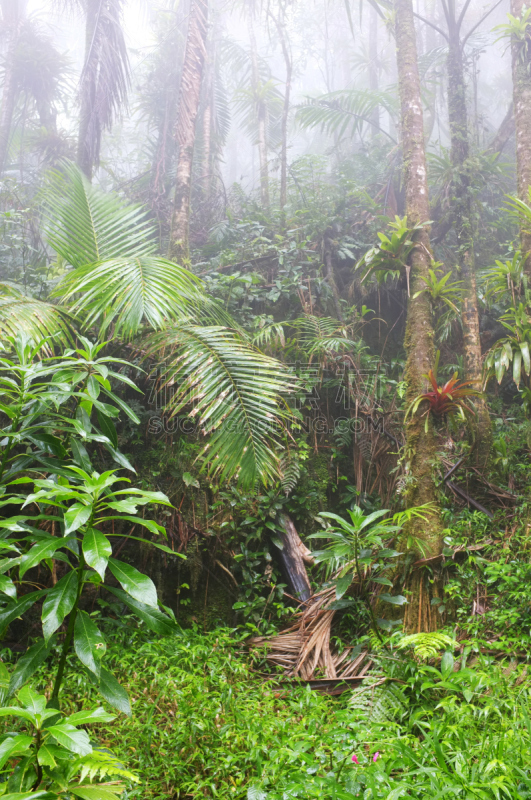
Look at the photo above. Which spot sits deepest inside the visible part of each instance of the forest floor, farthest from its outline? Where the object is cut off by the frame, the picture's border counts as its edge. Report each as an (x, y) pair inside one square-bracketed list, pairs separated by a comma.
[(206, 724)]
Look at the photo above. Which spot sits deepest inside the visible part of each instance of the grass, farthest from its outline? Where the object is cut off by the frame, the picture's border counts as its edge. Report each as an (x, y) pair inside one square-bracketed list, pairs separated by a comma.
[(205, 725)]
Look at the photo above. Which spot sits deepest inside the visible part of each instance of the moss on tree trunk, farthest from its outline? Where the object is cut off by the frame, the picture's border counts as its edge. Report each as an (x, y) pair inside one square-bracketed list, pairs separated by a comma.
[(420, 441), (521, 67)]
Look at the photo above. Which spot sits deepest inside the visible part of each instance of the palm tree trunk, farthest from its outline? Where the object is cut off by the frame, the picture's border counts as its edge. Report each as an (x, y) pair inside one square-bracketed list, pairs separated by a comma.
[(373, 69), (462, 213), (89, 136), (207, 138), (189, 96), (12, 19), (261, 112), (285, 116), (521, 65), (420, 445)]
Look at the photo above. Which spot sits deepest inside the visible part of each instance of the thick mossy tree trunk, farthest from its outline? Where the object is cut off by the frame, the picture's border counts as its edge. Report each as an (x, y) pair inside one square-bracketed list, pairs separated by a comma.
[(12, 23), (521, 65), (420, 441), (185, 131), (464, 225)]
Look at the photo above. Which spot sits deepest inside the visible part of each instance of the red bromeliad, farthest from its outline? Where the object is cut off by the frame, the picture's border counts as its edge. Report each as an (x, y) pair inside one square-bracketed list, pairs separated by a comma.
[(446, 400)]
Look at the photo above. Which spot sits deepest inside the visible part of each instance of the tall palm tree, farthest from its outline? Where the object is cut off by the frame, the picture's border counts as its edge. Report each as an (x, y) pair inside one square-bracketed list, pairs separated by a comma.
[(105, 77), (185, 131)]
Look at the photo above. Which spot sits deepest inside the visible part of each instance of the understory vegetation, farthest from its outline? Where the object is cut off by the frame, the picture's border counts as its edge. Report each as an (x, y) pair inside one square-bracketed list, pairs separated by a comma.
[(265, 400)]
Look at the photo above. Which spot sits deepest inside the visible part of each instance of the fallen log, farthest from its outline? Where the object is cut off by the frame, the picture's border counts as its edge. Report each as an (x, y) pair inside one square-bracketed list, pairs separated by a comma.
[(292, 556)]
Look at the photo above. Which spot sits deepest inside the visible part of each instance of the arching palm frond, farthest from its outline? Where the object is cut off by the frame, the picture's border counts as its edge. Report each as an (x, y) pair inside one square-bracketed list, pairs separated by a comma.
[(323, 336), (237, 394), (38, 320), (117, 278), (85, 225), (126, 292), (345, 111)]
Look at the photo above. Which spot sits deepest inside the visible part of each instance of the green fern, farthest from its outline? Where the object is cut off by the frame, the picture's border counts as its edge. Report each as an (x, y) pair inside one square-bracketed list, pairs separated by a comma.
[(379, 702), (427, 645)]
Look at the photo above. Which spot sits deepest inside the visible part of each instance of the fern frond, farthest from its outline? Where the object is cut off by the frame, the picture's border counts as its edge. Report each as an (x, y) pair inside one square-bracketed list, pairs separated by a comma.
[(379, 702), (427, 645)]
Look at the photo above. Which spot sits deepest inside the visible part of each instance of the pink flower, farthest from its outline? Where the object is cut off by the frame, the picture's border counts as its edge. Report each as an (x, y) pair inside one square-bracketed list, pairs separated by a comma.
[(376, 756), (355, 759)]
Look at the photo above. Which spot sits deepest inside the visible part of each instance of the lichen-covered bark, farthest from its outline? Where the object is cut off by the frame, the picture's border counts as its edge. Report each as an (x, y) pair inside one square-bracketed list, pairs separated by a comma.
[(462, 217), (521, 65), (189, 96), (420, 443)]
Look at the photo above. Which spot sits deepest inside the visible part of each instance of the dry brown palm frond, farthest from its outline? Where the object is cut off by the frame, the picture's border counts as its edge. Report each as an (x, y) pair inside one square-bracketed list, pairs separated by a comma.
[(303, 650)]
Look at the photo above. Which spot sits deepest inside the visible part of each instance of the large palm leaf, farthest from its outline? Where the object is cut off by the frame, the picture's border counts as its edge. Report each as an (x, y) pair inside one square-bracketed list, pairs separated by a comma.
[(346, 111), (236, 393), (39, 320), (117, 277)]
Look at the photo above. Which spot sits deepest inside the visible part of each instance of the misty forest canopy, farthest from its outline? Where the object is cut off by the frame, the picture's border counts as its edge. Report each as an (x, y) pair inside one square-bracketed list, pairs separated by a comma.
[(265, 399)]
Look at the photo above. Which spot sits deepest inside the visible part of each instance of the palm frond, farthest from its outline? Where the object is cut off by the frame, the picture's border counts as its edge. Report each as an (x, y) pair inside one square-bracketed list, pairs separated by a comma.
[(128, 291), (236, 393), (38, 320), (117, 278), (345, 111), (105, 77), (85, 225)]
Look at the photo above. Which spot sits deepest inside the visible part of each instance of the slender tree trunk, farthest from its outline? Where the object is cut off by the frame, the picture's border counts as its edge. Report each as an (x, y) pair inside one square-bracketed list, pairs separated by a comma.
[(12, 20), (464, 225), (521, 64), (206, 176), (189, 96), (420, 441), (373, 68), (261, 112), (89, 136), (285, 116)]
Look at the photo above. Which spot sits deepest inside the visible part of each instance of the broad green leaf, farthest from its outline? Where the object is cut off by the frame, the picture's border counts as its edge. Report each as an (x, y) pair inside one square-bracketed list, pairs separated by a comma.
[(91, 792), (44, 795), (76, 516), (447, 664), (58, 603), (15, 746), (89, 643), (120, 459), (46, 755), (7, 586), (110, 689), (28, 663), (96, 549), (155, 620), (342, 585), (5, 677), (19, 608), (396, 600), (68, 736), (383, 581), (94, 715), (38, 553), (32, 700), (108, 429), (134, 582), (80, 454)]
